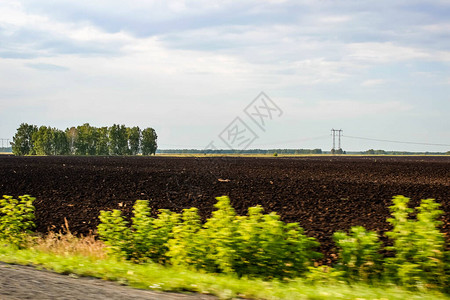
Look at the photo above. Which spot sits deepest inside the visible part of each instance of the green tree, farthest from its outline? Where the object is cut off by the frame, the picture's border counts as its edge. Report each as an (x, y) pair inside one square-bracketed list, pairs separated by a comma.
[(418, 245), (118, 140), (102, 141), (16, 219), (149, 235), (359, 254), (114, 231), (134, 139), (148, 143), (60, 142), (187, 245), (23, 140), (87, 140), (80, 142), (268, 247), (72, 137), (43, 141)]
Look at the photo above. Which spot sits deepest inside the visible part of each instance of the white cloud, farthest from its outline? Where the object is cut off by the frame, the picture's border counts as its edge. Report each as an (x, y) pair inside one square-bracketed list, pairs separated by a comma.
[(373, 82), (347, 109), (46, 67), (442, 56), (376, 52), (334, 19), (437, 28)]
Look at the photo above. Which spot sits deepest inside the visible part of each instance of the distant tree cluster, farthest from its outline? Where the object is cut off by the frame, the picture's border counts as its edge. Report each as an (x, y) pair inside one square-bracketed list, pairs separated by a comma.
[(338, 151), (375, 152), (235, 151), (383, 152), (84, 140)]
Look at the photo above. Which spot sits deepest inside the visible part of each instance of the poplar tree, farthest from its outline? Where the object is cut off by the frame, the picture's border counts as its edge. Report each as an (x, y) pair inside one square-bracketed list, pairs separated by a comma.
[(149, 144)]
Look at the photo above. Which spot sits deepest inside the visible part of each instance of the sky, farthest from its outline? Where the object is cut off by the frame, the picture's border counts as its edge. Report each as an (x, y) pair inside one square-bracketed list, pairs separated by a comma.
[(195, 70)]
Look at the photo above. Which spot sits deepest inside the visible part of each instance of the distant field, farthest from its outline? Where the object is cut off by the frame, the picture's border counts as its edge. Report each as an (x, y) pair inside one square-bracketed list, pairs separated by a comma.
[(295, 155), (231, 155)]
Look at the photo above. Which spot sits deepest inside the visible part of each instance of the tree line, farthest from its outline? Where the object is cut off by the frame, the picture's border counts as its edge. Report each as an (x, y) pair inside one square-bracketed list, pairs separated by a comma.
[(383, 152), (236, 151), (84, 140)]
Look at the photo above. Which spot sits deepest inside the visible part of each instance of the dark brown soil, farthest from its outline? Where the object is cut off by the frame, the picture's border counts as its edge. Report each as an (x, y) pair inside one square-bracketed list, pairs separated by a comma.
[(323, 194)]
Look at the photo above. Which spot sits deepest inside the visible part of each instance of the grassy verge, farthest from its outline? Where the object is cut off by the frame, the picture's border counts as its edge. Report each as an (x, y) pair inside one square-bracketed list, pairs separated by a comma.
[(156, 277)]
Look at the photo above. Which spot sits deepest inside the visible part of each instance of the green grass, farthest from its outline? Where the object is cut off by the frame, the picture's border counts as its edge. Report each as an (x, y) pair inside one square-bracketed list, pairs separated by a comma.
[(156, 277)]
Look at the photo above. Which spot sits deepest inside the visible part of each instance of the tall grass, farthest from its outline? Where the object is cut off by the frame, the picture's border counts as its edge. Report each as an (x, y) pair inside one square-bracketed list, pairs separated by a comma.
[(64, 243)]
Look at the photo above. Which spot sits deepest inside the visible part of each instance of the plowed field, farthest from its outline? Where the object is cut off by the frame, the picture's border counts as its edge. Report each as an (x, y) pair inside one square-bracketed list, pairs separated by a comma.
[(323, 194)]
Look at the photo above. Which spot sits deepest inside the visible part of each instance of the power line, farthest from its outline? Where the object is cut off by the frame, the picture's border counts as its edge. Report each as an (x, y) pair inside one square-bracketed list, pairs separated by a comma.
[(254, 145), (335, 132), (399, 142)]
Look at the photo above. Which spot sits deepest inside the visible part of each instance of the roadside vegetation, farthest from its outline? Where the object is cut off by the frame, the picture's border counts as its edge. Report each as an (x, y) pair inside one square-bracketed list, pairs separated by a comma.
[(253, 256), (84, 140)]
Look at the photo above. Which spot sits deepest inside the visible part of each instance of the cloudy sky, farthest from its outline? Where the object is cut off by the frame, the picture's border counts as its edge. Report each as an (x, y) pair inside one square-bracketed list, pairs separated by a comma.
[(375, 69)]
